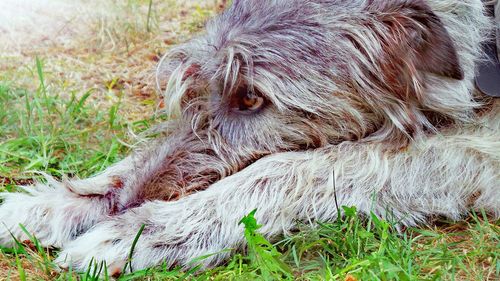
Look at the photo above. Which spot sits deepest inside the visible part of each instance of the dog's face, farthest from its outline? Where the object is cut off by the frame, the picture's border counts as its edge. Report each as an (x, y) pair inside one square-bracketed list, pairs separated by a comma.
[(291, 75)]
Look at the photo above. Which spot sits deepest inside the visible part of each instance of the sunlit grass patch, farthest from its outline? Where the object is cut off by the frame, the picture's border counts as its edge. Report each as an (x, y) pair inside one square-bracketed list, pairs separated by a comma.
[(61, 135)]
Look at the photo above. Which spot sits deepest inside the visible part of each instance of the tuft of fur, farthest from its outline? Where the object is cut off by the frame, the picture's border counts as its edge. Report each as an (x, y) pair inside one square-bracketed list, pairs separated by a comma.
[(379, 94)]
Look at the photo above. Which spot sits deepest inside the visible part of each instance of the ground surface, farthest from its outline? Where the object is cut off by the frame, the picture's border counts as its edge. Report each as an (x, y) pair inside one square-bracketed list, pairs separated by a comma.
[(77, 91)]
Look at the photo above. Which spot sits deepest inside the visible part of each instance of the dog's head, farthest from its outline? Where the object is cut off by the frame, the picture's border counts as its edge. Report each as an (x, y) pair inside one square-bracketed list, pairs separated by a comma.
[(290, 75)]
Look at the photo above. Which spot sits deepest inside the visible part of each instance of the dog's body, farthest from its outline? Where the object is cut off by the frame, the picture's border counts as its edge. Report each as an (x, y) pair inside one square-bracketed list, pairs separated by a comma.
[(284, 104)]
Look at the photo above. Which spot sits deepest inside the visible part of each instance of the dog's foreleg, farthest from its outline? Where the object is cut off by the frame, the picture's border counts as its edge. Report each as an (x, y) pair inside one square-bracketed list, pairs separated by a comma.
[(50, 212), (102, 183), (282, 187), (58, 211), (439, 179)]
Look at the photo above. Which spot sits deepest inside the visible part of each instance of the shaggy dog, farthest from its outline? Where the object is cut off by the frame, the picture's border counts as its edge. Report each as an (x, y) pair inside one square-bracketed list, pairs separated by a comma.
[(290, 107)]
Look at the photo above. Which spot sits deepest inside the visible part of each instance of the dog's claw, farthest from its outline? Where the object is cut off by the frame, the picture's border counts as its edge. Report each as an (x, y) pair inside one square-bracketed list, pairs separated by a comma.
[(62, 266)]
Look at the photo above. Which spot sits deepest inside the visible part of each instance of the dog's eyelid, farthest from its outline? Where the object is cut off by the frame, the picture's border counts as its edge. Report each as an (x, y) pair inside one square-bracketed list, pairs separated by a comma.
[(246, 100)]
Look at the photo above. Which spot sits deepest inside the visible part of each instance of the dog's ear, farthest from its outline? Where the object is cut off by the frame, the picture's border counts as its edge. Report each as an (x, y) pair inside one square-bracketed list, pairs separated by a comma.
[(172, 65), (414, 35), (177, 76), (397, 42)]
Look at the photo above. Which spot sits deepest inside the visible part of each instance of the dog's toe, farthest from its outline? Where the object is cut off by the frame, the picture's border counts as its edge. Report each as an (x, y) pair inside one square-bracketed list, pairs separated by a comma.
[(54, 216), (101, 246), (13, 213)]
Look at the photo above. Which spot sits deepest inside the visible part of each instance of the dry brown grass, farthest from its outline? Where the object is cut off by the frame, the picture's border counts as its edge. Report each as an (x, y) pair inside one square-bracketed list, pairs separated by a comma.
[(117, 57)]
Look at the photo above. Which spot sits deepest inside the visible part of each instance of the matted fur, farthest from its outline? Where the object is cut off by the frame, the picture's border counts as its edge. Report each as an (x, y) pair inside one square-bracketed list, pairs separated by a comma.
[(377, 93)]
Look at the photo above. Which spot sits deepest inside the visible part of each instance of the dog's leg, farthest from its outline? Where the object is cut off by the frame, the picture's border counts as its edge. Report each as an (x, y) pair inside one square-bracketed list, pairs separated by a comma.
[(53, 213), (281, 186), (101, 184), (443, 178), (57, 212)]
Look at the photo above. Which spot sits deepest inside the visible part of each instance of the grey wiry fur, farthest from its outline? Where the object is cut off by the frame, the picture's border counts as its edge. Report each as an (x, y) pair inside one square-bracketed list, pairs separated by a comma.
[(379, 92)]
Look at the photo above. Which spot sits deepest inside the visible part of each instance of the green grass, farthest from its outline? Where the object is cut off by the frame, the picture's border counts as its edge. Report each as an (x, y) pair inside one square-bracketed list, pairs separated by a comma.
[(60, 135), (70, 134)]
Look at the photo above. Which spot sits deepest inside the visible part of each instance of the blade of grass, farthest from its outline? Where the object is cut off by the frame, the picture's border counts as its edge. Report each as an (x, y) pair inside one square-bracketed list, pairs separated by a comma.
[(134, 243)]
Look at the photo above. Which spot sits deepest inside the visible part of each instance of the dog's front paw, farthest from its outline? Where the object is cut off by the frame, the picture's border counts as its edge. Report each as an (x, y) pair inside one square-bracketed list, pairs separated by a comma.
[(51, 214), (15, 210), (168, 233), (108, 243)]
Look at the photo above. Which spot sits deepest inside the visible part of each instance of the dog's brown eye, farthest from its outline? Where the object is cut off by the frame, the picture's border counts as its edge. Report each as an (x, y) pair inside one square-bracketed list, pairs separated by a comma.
[(251, 102), (246, 100)]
